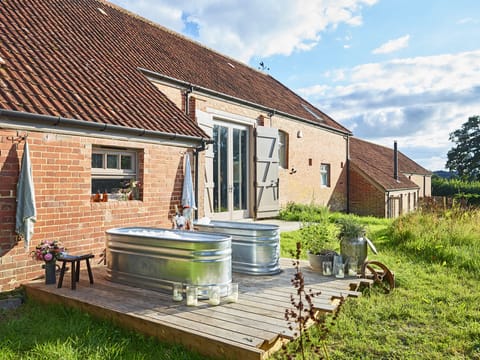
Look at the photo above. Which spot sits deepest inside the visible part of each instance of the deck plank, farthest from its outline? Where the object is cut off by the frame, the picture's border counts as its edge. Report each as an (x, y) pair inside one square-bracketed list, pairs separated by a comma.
[(251, 329)]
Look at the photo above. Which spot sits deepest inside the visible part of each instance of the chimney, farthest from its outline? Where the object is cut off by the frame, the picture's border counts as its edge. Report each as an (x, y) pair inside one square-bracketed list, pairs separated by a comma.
[(395, 160)]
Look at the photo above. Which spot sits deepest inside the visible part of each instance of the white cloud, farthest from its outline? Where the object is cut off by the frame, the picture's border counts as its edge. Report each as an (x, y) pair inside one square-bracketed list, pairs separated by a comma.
[(245, 29), (417, 101), (467, 20), (392, 45), (168, 15)]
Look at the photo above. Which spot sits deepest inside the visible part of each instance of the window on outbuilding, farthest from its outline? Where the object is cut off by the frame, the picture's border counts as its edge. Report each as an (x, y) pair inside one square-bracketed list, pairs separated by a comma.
[(325, 175), (283, 149), (113, 169)]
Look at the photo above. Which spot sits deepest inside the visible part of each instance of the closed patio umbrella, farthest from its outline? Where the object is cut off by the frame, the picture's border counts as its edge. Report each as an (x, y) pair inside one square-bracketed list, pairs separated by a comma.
[(26, 210), (188, 197)]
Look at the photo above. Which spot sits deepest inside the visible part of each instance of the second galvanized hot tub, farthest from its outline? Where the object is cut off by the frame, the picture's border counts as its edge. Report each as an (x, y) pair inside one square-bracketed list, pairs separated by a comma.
[(255, 247), (153, 258)]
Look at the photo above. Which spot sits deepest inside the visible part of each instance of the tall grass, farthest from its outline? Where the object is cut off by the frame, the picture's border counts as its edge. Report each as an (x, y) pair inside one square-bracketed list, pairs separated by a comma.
[(449, 238)]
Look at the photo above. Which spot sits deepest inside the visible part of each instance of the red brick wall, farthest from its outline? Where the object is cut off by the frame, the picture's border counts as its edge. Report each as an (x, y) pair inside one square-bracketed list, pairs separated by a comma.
[(365, 198), (61, 167)]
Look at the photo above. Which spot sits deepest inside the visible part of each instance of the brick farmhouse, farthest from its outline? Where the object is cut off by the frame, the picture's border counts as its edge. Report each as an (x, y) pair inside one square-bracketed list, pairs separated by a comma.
[(105, 98)]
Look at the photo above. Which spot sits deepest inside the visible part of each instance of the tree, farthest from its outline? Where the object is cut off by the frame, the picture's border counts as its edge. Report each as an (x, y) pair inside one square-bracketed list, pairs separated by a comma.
[(464, 158)]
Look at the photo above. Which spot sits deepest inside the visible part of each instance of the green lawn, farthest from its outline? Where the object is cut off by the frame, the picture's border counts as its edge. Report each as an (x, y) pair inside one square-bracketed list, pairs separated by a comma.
[(37, 331)]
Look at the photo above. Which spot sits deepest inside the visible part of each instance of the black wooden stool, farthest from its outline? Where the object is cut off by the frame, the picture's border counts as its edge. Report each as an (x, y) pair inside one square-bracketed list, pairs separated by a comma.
[(75, 261)]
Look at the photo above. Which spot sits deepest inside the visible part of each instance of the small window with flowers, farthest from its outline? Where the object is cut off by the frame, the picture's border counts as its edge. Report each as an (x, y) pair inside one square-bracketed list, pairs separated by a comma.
[(114, 174)]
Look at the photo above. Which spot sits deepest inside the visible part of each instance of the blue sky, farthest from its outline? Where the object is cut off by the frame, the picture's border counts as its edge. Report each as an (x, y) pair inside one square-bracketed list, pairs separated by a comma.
[(386, 69)]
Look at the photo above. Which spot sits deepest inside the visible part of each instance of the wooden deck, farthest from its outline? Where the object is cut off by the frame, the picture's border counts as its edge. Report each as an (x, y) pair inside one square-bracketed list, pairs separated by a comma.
[(253, 328)]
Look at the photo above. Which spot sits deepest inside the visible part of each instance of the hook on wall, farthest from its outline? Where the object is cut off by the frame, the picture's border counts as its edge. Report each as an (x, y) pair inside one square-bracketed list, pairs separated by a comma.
[(18, 138), (188, 150)]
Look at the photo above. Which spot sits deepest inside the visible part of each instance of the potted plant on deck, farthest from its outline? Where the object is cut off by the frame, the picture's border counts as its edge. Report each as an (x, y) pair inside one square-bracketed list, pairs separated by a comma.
[(353, 242), (48, 251), (317, 239)]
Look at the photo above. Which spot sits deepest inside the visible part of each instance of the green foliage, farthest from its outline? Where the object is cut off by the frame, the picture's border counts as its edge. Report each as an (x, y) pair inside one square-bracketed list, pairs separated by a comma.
[(318, 232), (454, 187), (37, 331), (464, 157), (319, 236), (351, 228), (300, 212), (450, 237), (316, 214)]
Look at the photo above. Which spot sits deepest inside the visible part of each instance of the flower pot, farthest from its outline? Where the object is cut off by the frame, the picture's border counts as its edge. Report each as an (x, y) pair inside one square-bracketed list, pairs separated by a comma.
[(354, 250), (50, 276)]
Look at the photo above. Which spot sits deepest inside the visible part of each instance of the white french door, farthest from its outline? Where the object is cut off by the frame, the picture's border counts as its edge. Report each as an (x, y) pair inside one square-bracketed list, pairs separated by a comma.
[(230, 170)]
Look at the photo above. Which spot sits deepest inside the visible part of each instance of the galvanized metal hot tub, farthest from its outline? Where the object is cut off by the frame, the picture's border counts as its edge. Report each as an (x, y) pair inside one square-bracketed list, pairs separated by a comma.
[(153, 258), (255, 247)]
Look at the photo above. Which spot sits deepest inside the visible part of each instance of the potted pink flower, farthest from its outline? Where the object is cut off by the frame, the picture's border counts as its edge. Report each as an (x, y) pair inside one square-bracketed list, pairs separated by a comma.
[(49, 251)]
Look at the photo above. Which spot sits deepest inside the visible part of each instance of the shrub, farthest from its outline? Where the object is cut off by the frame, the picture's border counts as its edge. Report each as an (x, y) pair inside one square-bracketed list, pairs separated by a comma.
[(317, 231)]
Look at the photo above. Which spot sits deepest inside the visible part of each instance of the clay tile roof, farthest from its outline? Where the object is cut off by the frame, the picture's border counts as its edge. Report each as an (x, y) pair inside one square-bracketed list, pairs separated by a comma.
[(81, 59), (376, 161)]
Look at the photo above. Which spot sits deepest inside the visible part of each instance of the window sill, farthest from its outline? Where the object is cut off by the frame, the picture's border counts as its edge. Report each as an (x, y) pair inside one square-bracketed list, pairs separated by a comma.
[(113, 199)]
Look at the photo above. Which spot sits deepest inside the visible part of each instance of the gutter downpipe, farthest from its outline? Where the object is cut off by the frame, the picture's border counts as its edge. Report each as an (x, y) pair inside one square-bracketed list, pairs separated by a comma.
[(347, 163), (196, 151), (395, 161), (388, 205), (187, 92)]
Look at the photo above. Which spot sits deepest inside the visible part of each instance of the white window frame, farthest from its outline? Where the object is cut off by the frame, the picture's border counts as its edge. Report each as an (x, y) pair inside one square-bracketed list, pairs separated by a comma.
[(117, 173), (283, 149), (325, 169)]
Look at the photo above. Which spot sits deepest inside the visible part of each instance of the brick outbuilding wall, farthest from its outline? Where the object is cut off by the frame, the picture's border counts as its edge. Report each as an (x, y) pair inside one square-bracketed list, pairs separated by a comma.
[(61, 167), (365, 198)]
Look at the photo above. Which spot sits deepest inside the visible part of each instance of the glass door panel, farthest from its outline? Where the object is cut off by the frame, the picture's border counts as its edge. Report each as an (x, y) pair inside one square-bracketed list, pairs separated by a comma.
[(239, 169), (220, 168), (230, 170)]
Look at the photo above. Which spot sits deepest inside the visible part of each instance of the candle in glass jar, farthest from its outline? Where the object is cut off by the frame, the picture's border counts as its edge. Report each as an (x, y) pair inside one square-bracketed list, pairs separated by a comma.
[(177, 291), (192, 295), (214, 295), (232, 292)]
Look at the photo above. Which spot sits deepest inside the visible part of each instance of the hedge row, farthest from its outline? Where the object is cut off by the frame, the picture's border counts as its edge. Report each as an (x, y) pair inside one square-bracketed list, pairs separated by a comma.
[(454, 187)]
